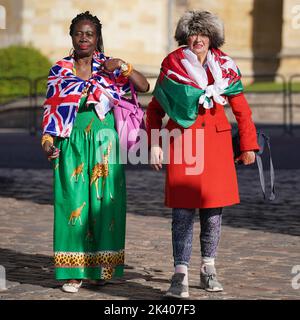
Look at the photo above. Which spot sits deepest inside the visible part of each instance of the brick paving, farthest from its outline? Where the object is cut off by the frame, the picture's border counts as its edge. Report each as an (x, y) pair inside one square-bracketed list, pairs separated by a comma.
[(259, 244)]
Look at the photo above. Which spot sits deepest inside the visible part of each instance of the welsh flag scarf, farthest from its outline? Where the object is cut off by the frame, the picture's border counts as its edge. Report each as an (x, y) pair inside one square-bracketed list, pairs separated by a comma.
[(183, 83), (65, 90)]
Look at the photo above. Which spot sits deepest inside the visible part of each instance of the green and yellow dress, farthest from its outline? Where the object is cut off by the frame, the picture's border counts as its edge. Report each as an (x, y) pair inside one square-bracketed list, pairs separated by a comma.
[(89, 200)]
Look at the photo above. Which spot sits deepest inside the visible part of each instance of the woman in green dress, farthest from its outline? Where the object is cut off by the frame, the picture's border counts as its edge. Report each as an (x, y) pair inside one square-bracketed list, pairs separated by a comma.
[(80, 140)]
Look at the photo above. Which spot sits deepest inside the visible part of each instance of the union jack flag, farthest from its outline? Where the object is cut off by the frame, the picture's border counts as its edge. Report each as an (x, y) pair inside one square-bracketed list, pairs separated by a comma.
[(64, 90)]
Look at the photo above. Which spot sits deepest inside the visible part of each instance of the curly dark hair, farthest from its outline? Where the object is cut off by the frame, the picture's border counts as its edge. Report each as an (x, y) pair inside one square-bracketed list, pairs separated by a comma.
[(88, 16)]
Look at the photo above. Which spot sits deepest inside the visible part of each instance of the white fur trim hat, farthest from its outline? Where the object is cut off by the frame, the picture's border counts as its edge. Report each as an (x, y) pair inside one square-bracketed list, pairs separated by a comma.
[(204, 22)]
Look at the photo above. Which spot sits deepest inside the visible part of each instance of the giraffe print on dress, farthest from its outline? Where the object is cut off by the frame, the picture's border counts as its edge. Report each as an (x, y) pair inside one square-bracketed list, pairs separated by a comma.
[(78, 171), (75, 215), (101, 170), (89, 127)]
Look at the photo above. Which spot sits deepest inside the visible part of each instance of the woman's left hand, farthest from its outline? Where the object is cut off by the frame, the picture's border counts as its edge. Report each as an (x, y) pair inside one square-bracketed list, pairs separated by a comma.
[(247, 157), (111, 65)]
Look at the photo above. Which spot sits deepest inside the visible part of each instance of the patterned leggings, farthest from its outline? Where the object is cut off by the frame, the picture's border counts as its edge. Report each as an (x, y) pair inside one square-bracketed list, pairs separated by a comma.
[(182, 233)]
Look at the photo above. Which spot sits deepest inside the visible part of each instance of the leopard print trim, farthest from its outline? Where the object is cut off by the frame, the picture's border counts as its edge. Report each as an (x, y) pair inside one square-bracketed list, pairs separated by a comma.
[(107, 273), (106, 259)]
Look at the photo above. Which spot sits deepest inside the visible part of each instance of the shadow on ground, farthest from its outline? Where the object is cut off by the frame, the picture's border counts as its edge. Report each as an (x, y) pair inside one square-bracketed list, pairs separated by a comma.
[(25, 175), (38, 270)]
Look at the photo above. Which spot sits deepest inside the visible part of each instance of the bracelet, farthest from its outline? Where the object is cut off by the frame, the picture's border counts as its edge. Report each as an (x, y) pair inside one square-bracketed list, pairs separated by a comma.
[(128, 72), (47, 137)]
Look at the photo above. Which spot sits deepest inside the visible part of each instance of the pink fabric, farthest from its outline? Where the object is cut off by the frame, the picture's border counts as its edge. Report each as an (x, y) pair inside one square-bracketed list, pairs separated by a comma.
[(129, 119)]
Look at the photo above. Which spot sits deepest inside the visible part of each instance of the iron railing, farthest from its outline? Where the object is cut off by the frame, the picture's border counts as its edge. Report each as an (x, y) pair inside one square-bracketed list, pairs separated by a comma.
[(286, 92), (291, 102)]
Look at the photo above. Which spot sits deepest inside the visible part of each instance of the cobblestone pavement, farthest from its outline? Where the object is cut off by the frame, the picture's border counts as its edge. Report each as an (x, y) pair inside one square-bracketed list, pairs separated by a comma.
[(259, 245)]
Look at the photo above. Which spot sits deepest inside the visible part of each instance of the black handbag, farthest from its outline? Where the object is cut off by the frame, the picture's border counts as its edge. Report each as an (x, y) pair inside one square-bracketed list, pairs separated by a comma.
[(263, 141)]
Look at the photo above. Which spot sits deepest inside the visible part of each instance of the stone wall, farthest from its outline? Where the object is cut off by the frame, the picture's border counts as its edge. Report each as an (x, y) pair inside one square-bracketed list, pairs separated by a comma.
[(290, 54), (132, 29), (13, 26), (262, 35)]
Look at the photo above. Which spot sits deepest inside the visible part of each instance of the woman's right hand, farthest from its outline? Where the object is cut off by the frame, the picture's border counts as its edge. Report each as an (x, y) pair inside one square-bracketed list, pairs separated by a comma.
[(51, 151), (110, 65), (156, 157)]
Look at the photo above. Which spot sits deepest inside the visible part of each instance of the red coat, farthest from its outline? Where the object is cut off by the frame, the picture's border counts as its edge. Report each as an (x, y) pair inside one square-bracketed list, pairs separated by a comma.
[(217, 185)]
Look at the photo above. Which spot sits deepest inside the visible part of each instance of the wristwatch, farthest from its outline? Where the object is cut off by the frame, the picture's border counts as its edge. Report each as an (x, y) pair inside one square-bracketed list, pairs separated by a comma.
[(124, 67)]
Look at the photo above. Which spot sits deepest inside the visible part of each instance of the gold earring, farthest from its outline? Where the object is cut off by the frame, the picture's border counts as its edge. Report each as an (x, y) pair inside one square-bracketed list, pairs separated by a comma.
[(71, 52)]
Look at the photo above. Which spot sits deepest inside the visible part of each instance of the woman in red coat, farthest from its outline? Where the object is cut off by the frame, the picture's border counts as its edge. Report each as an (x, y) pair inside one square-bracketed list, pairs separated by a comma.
[(195, 83)]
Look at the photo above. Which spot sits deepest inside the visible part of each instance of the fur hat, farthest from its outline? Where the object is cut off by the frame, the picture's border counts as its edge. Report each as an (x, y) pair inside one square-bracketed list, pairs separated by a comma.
[(204, 22)]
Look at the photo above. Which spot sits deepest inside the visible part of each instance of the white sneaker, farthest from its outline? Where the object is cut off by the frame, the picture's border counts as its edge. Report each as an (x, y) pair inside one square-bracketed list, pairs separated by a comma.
[(177, 289), (208, 279), (71, 287)]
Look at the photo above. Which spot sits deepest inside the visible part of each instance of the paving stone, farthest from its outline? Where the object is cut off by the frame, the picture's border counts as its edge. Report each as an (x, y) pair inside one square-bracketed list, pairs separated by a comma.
[(258, 248)]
